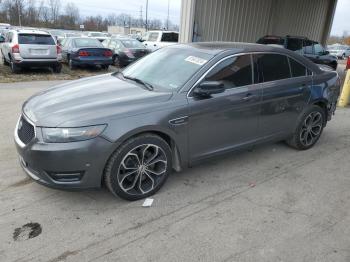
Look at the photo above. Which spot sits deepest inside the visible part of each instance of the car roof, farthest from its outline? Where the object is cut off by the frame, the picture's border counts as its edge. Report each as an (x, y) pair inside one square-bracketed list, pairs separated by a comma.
[(31, 31)]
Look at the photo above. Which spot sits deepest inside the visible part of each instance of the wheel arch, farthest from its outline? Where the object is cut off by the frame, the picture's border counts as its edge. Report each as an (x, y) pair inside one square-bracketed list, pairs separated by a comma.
[(323, 104)]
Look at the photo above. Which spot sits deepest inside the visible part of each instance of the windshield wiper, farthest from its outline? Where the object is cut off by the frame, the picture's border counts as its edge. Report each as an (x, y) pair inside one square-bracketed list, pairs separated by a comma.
[(139, 81)]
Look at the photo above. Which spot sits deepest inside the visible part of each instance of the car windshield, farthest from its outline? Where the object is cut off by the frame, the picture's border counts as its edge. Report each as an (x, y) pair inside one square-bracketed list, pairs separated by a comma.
[(168, 68), (97, 34), (87, 42), (129, 43)]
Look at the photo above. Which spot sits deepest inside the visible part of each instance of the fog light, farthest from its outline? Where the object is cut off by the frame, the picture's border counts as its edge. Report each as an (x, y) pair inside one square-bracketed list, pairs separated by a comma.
[(66, 176)]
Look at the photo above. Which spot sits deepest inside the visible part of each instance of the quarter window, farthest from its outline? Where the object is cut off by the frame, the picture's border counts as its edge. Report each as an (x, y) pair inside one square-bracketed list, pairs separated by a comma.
[(308, 47), (233, 72), (273, 67), (297, 68), (319, 50), (295, 44)]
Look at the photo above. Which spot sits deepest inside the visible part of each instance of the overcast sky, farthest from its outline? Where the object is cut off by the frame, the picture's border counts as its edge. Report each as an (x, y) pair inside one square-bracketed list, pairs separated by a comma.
[(158, 9)]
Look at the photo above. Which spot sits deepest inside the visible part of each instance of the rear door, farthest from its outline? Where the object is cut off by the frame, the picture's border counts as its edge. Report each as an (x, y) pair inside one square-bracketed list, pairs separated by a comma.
[(227, 120), (37, 46), (286, 89)]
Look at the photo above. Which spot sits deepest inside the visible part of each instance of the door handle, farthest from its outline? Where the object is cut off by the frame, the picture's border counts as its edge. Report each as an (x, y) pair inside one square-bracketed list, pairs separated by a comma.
[(248, 97)]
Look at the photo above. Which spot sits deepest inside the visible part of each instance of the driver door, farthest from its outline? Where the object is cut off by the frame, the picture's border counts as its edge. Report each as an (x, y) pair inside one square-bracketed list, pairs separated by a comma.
[(226, 120)]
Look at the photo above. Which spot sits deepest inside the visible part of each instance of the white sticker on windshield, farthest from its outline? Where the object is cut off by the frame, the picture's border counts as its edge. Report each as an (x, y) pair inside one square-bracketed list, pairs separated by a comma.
[(196, 60)]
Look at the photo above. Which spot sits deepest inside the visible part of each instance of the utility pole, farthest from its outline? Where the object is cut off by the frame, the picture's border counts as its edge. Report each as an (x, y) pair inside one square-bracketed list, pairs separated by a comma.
[(141, 18), (19, 14), (167, 20), (146, 15)]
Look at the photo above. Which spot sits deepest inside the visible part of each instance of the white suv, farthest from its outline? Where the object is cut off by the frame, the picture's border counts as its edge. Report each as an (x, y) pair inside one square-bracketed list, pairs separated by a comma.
[(154, 40), (30, 48)]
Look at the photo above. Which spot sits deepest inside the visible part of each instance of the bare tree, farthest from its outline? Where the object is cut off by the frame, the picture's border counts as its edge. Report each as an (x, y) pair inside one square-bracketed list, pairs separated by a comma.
[(54, 7)]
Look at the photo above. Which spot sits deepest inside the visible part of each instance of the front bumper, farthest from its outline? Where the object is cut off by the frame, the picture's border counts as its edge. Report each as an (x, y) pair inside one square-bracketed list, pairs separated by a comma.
[(75, 165)]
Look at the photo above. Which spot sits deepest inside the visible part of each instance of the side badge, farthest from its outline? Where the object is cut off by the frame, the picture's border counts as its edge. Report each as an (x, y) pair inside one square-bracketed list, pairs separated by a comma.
[(179, 121)]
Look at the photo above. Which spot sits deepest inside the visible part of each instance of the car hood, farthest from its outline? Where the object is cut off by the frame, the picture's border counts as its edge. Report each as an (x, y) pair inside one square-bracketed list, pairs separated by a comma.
[(89, 101)]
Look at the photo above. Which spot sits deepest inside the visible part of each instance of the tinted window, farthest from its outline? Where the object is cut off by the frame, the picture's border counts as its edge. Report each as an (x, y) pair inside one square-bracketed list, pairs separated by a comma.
[(170, 37), (87, 42), (234, 72), (308, 47), (273, 67), (33, 39), (297, 68), (319, 50), (295, 44), (271, 40)]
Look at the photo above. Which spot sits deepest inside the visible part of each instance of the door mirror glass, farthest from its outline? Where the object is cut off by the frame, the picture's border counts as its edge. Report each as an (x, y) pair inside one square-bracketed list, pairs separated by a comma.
[(208, 88)]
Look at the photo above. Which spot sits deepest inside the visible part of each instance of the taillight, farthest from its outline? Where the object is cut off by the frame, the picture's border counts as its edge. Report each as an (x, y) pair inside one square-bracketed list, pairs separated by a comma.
[(107, 53), (348, 63), (58, 49), (83, 53), (129, 53), (15, 49)]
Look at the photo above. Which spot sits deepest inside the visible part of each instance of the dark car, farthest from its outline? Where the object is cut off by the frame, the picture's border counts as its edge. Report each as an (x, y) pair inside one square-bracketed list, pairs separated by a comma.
[(304, 46), (126, 50), (84, 51), (173, 108)]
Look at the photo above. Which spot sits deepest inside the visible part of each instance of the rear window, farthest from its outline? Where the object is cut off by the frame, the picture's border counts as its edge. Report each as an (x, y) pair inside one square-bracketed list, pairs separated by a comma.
[(87, 42), (170, 37), (271, 40), (33, 39), (132, 44)]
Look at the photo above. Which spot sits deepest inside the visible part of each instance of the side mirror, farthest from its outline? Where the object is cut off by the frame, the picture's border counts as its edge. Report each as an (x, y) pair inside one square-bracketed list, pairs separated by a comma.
[(2, 39), (208, 88), (326, 52)]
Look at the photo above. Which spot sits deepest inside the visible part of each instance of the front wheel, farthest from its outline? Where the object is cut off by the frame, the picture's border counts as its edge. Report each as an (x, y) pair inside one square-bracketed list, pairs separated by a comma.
[(139, 167), (57, 69), (309, 129), (14, 68)]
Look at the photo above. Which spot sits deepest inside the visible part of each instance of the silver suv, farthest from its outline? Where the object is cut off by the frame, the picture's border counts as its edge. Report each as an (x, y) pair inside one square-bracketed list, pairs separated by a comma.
[(30, 48)]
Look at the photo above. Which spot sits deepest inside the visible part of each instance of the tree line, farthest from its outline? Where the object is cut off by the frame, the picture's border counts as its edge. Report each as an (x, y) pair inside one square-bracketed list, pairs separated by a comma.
[(52, 14)]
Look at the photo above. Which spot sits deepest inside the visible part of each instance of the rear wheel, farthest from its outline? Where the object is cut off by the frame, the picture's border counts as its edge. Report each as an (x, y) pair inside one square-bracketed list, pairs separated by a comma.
[(57, 68), (139, 167), (309, 128), (4, 60), (71, 64), (14, 68), (105, 67)]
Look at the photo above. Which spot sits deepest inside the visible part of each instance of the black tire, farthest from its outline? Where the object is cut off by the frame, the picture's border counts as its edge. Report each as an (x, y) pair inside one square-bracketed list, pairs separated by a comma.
[(15, 69), (309, 128), (116, 61), (71, 64), (4, 60), (57, 69), (104, 67), (128, 171)]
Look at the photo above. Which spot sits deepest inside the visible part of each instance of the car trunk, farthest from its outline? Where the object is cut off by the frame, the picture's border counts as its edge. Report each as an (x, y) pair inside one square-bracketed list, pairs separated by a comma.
[(36, 46), (93, 51)]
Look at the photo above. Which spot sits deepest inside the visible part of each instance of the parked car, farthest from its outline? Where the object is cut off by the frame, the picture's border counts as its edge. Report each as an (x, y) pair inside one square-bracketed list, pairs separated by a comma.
[(125, 50), (99, 36), (30, 48), (340, 51), (169, 110), (154, 40), (302, 45), (84, 51)]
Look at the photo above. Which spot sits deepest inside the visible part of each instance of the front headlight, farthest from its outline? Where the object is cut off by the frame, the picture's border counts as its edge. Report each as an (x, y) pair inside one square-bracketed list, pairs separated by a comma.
[(71, 134)]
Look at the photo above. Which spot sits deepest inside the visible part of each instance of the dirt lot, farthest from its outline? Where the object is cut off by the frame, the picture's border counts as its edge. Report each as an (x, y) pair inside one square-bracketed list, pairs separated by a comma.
[(268, 204), (42, 74)]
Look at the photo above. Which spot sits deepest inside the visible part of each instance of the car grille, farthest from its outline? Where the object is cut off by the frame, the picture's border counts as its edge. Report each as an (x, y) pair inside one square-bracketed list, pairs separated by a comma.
[(25, 131)]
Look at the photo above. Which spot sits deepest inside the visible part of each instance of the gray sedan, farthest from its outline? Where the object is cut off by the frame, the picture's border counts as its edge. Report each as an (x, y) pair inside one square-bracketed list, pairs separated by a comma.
[(170, 110)]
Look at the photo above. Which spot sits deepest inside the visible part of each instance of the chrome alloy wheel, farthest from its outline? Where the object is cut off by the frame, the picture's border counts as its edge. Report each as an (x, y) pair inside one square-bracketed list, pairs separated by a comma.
[(141, 169), (311, 129)]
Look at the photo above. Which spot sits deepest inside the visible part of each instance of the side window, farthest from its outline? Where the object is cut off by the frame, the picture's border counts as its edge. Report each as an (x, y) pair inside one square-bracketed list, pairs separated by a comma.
[(308, 47), (153, 37), (234, 72), (319, 50), (273, 67), (297, 68), (170, 37), (295, 44)]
